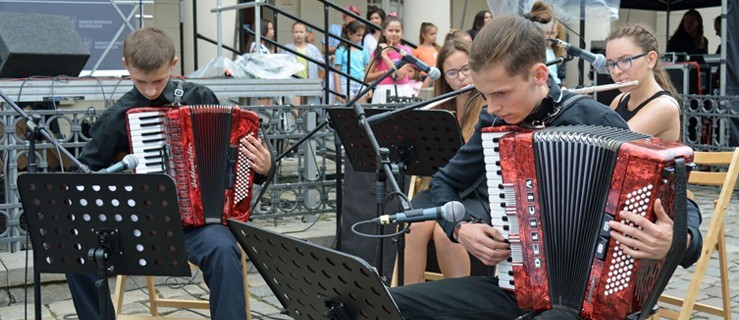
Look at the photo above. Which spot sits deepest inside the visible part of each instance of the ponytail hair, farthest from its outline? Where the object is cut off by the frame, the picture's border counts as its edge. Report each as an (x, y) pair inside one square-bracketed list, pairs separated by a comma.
[(425, 26), (644, 38)]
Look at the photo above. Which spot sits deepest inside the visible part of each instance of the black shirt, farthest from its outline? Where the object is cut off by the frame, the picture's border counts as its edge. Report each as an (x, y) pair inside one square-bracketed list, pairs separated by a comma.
[(623, 105), (682, 42)]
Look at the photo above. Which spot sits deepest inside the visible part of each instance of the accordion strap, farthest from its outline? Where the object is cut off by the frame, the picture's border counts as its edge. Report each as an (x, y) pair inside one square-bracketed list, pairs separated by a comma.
[(560, 109), (178, 93), (679, 239)]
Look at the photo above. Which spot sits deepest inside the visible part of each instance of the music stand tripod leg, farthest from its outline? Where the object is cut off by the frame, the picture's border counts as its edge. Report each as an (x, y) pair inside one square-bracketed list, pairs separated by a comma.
[(107, 240)]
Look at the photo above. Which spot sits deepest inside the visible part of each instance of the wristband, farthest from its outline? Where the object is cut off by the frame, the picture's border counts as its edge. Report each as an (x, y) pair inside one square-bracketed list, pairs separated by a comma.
[(455, 232)]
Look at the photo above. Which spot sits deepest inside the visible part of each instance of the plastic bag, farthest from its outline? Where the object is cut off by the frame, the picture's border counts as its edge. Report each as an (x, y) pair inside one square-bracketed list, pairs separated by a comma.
[(564, 10), (270, 66), (221, 67)]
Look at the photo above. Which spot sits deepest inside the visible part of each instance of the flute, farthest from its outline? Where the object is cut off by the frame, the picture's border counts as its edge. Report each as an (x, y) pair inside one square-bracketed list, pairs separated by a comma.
[(604, 87)]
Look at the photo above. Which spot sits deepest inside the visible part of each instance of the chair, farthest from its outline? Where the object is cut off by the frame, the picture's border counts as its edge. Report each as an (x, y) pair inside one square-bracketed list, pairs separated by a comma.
[(714, 240), (155, 302), (415, 185)]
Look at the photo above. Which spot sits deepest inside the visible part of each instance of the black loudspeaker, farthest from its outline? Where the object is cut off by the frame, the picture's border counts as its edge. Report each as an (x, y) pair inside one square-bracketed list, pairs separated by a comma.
[(39, 45)]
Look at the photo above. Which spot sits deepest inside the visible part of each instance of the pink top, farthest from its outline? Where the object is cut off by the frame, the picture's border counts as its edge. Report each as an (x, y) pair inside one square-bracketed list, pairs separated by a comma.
[(395, 57)]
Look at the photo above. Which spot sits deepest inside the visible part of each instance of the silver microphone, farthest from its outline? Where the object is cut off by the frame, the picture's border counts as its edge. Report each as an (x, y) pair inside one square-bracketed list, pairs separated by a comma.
[(128, 162)]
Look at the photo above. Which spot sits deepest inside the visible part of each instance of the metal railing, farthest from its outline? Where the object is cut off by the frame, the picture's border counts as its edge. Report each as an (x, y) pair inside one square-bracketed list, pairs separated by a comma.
[(707, 121), (325, 65), (304, 184)]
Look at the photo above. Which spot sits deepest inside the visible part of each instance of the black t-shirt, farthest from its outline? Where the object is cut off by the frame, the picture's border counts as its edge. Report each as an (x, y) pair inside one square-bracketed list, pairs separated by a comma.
[(623, 105), (682, 42)]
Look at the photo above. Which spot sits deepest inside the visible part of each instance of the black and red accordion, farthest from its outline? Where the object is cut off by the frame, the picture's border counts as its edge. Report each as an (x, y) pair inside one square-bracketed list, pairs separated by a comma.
[(198, 146), (553, 191)]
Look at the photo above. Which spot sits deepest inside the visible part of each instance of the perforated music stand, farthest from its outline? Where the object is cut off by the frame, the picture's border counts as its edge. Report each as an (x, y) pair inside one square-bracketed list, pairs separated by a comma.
[(104, 223), (423, 140), (313, 282)]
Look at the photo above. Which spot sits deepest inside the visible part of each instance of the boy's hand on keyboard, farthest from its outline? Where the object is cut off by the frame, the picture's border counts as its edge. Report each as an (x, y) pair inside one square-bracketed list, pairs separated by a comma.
[(484, 242)]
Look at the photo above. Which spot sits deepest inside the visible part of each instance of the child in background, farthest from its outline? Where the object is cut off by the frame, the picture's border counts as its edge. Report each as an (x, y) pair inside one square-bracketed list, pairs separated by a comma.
[(355, 59), (267, 30), (414, 80), (457, 34), (384, 59), (552, 31), (428, 49), (301, 45), (376, 16)]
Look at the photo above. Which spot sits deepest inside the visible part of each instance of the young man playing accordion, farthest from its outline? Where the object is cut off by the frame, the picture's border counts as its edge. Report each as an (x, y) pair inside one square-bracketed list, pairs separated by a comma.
[(149, 56), (508, 67)]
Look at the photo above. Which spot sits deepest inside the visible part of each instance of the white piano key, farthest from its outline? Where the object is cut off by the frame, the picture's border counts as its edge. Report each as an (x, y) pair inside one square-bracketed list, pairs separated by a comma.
[(147, 148), (498, 221), (141, 139)]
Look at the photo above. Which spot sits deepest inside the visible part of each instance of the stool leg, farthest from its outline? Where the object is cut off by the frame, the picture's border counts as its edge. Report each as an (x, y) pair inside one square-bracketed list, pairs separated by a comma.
[(153, 300), (120, 289)]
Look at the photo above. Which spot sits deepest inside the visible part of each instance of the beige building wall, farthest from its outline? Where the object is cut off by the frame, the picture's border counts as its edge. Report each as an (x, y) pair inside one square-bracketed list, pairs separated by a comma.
[(461, 13), (417, 12)]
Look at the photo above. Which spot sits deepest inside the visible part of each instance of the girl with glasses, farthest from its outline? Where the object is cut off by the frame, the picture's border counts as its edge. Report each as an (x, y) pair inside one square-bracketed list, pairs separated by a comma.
[(649, 107)]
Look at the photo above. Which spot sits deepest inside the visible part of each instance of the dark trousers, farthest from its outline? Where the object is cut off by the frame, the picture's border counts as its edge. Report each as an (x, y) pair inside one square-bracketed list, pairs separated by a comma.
[(474, 297), (213, 248)]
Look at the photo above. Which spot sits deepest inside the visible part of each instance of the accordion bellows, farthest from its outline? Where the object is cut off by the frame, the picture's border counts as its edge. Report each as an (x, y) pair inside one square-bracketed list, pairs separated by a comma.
[(552, 193), (198, 146)]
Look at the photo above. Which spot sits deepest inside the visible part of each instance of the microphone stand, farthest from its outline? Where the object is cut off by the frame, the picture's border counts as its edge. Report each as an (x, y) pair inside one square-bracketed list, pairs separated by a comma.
[(375, 119), (383, 159), (36, 131), (338, 159), (383, 153), (559, 60)]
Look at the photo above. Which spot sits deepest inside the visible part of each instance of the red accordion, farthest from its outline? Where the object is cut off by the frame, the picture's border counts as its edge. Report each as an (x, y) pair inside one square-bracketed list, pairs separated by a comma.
[(198, 146), (552, 193)]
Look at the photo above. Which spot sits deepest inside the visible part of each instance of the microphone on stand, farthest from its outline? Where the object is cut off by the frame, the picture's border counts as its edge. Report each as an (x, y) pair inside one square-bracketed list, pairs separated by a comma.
[(451, 211), (128, 162), (597, 60), (438, 99), (431, 72)]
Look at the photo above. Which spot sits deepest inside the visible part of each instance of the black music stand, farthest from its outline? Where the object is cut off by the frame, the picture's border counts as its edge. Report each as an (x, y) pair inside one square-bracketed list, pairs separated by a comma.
[(313, 282), (421, 140), (105, 224)]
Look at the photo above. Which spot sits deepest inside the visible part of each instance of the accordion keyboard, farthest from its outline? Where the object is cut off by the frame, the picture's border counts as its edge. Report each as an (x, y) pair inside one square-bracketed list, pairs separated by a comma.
[(502, 206), (148, 140)]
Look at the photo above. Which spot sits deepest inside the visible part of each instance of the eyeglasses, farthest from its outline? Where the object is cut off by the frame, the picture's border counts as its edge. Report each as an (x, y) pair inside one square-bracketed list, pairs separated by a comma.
[(623, 64), (454, 73)]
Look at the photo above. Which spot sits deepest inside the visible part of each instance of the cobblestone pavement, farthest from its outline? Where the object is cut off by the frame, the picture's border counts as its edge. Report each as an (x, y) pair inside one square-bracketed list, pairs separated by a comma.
[(57, 303)]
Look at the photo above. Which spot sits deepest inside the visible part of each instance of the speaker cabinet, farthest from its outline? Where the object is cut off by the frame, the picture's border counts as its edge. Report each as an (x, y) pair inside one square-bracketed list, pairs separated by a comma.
[(39, 45)]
